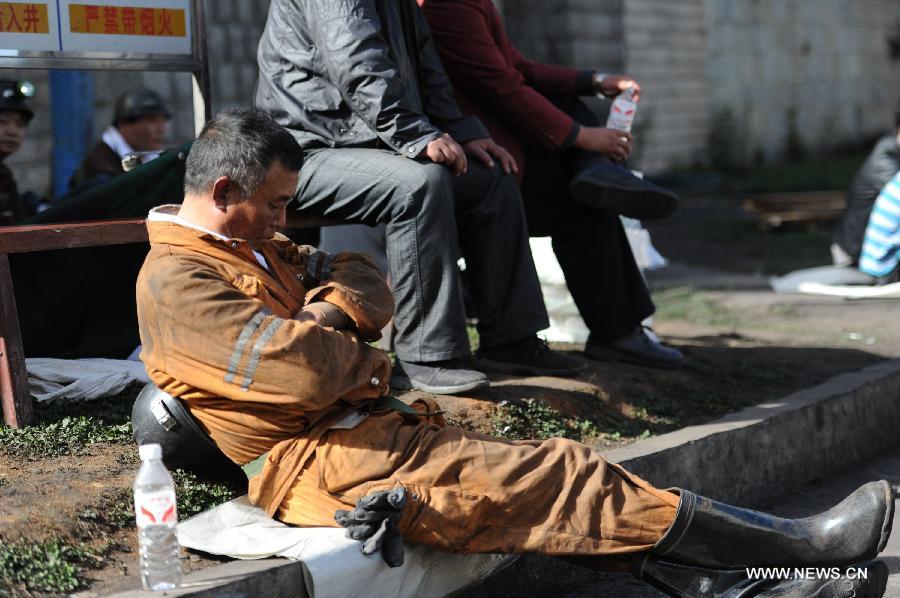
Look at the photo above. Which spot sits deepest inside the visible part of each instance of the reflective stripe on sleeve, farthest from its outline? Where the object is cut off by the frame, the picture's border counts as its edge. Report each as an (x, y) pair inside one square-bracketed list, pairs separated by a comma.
[(249, 328), (256, 352)]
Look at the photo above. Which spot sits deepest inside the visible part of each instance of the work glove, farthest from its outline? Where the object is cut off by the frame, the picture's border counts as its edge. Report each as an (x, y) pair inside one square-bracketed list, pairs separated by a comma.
[(374, 523)]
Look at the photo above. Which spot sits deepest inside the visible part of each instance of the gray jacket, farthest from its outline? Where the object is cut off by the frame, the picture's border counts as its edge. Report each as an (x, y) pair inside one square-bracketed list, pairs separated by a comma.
[(342, 73)]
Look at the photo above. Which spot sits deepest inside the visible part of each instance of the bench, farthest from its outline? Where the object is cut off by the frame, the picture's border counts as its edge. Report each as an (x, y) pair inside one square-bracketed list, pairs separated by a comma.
[(14, 394)]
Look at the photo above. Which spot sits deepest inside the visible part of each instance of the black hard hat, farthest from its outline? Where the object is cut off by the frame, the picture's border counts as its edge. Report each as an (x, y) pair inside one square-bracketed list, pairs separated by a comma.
[(14, 96), (159, 418), (138, 103)]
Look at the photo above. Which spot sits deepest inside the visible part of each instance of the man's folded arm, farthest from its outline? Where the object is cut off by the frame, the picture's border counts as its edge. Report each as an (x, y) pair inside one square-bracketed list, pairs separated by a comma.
[(357, 60), (207, 334), (352, 283)]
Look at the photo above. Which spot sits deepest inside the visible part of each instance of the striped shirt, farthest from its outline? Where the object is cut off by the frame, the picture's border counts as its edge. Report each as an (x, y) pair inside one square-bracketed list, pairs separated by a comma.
[(881, 244)]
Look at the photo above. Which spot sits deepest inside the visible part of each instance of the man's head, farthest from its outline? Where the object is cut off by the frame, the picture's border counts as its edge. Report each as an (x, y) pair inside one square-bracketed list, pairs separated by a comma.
[(142, 118), (242, 170), (15, 114)]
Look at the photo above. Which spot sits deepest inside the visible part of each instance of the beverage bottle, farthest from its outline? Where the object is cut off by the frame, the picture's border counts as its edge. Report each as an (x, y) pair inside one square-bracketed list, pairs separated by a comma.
[(621, 113), (154, 508)]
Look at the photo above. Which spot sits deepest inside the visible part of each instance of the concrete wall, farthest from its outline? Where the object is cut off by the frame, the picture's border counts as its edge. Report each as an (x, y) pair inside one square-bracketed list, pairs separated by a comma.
[(794, 75), (579, 33)]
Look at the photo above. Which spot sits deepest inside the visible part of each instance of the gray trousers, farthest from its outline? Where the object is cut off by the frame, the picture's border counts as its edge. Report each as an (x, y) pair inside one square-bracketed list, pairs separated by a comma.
[(429, 217)]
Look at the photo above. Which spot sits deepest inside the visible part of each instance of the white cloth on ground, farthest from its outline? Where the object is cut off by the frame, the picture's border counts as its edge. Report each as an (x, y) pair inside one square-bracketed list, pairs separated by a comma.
[(91, 378), (822, 275), (335, 563), (885, 291)]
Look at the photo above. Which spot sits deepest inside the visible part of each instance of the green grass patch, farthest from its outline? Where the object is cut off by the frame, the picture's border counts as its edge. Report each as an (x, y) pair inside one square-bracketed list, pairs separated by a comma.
[(691, 305), (52, 566), (533, 419), (67, 436), (195, 496), (67, 427), (115, 509)]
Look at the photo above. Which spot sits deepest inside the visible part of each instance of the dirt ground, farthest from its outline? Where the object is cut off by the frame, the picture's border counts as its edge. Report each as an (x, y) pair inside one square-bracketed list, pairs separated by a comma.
[(743, 345)]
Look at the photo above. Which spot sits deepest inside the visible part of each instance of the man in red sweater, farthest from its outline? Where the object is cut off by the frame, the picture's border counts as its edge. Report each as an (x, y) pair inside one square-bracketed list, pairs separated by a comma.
[(573, 181)]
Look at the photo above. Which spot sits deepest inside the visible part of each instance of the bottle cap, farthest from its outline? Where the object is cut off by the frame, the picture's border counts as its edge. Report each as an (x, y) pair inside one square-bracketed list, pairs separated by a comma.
[(150, 451)]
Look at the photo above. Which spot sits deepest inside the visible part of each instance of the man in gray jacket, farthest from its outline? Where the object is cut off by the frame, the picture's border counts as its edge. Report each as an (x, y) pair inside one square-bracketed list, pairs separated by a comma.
[(359, 84)]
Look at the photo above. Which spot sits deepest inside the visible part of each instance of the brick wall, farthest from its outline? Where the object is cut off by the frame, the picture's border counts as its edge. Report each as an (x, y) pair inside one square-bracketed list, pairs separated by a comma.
[(665, 51), (660, 43), (731, 80)]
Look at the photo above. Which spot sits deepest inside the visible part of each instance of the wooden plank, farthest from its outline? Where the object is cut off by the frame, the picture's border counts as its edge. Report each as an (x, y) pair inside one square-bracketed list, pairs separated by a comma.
[(786, 202), (45, 237), (14, 394)]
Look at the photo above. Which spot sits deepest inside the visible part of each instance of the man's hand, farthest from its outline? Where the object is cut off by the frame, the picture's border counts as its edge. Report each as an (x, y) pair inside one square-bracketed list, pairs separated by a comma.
[(612, 143), (485, 150), (445, 150), (613, 85), (373, 522)]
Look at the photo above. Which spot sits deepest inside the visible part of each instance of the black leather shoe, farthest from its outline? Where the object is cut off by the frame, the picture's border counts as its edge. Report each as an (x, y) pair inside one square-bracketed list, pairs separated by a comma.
[(528, 357), (612, 187), (712, 534), (641, 347), (868, 580)]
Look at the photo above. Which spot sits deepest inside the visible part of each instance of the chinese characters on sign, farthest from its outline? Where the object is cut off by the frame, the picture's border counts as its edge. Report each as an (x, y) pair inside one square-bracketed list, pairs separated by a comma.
[(111, 27), (24, 17), (126, 20)]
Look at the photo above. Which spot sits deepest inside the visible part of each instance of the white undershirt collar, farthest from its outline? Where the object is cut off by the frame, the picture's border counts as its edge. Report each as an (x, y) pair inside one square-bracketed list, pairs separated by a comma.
[(169, 213)]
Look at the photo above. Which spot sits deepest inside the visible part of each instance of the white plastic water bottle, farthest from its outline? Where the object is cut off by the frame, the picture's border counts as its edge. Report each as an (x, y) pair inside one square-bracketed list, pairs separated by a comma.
[(621, 113), (154, 508)]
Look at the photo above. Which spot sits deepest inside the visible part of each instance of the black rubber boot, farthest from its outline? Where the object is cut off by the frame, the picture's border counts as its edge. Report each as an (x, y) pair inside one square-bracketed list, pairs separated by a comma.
[(867, 580), (712, 534)]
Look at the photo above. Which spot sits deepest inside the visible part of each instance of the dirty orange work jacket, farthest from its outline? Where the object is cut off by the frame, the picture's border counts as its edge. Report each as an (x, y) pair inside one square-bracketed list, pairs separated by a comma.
[(217, 331)]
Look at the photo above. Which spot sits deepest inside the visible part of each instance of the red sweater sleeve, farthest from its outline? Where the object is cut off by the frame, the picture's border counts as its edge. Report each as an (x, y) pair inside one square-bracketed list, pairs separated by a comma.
[(481, 61)]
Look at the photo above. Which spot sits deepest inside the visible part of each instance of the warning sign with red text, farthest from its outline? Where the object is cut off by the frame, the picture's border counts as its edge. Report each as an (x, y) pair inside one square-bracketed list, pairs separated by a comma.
[(102, 28), (29, 26)]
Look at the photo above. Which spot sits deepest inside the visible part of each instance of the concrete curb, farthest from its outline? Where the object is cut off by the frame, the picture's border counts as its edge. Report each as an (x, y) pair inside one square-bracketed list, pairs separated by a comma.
[(743, 458), (765, 450), (275, 578)]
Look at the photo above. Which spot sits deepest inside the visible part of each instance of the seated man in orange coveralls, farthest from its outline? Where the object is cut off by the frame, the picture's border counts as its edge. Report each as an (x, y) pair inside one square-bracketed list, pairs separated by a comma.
[(265, 342)]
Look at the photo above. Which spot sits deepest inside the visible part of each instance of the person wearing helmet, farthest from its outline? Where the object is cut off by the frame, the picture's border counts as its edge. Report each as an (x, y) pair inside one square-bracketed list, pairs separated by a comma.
[(15, 114), (140, 124)]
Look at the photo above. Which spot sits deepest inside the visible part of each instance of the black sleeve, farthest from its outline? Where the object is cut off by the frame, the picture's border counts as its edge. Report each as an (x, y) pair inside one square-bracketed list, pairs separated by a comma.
[(440, 102)]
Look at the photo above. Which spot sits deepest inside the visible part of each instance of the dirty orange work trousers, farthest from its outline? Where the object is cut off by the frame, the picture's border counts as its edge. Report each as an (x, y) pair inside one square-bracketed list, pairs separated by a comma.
[(471, 493)]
